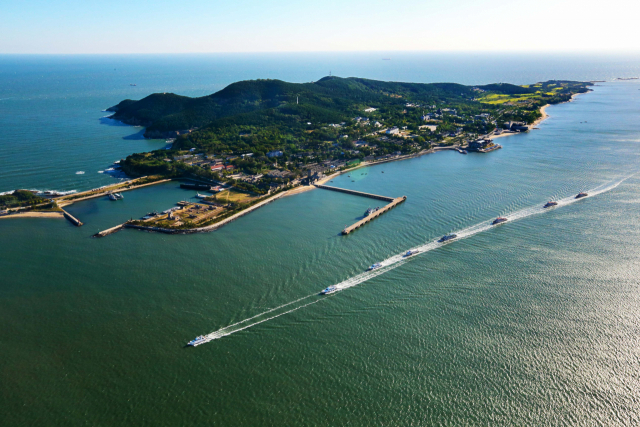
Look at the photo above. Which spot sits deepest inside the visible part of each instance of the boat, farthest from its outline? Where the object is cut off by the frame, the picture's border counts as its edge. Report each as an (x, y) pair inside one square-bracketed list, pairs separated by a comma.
[(374, 266), (550, 203), (464, 152), (447, 237), (329, 290), (410, 253), (115, 196), (197, 341), (369, 212), (132, 84), (201, 196), (382, 171), (581, 195), (499, 220)]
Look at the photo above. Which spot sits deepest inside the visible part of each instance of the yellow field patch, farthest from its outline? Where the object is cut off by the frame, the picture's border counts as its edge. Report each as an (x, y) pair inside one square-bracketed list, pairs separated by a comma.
[(234, 196)]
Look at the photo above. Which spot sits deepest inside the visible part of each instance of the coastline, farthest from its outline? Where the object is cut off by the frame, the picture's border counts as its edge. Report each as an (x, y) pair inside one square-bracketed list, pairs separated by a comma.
[(130, 185), (545, 116), (34, 215)]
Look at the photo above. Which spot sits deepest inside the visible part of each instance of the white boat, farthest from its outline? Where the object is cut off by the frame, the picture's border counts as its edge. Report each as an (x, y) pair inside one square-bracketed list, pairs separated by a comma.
[(374, 266), (197, 341), (329, 290), (201, 196)]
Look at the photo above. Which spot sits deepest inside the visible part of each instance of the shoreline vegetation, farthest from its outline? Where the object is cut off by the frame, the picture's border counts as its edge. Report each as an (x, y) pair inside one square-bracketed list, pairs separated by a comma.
[(255, 142)]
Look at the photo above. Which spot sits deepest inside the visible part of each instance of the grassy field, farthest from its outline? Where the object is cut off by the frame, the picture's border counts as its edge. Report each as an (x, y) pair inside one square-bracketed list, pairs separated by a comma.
[(235, 196), (501, 99)]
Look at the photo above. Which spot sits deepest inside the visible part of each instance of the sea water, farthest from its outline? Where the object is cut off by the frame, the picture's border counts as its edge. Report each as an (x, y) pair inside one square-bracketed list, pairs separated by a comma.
[(533, 322)]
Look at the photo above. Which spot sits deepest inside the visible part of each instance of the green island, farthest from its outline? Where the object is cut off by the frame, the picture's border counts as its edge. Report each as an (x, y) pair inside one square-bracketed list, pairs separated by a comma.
[(255, 140), (25, 200)]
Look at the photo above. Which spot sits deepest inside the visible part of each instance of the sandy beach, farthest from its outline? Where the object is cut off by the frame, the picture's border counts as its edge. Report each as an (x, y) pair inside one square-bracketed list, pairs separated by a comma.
[(34, 215), (531, 126)]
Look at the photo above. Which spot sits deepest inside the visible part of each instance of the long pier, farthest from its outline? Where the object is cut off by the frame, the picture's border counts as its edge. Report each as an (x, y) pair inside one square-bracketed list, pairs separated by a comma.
[(356, 193), (373, 215)]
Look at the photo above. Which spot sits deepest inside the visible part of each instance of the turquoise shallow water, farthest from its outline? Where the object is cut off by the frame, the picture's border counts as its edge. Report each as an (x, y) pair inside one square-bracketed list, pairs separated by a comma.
[(534, 322)]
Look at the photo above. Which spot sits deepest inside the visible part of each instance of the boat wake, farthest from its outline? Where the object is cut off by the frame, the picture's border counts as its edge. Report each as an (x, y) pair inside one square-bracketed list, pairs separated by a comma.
[(392, 263)]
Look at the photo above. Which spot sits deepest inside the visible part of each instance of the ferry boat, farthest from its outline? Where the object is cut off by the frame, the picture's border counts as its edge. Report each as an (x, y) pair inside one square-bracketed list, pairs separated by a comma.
[(374, 266), (447, 237), (410, 253), (581, 195), (197, 341), (499, 220), (329, 290), (550, 203)]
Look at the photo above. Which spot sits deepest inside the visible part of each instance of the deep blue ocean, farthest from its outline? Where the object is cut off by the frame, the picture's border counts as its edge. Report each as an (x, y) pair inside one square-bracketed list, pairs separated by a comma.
[(535, 322)]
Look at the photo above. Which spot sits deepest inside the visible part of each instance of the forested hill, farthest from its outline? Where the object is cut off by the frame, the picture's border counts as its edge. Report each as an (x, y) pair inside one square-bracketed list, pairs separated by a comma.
[(331, 99)]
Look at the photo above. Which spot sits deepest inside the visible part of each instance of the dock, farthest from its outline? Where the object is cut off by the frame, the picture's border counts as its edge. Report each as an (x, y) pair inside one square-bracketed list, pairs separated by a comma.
[(356, 193), (373, 215), (109, 231), (75, 221)]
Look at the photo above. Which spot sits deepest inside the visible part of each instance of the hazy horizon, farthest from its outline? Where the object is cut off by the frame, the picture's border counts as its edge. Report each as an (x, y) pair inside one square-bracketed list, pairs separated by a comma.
[(249, 26)]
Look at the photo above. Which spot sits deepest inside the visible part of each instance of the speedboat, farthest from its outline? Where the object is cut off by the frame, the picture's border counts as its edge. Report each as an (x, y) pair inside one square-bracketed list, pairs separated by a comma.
[(581, 195), (197, 341), (499, 220), (329, 290), (447, 237), (410, 253), (374, 266), (549, 204)]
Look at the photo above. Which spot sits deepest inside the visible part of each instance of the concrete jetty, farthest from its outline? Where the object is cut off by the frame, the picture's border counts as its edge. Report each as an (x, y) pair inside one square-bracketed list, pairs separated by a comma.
[(75, 221), (356, 193), (109, 231), (373, 215)]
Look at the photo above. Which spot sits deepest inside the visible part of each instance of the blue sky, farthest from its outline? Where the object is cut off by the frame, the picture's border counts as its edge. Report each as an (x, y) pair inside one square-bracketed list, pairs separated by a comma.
[(188, 26)]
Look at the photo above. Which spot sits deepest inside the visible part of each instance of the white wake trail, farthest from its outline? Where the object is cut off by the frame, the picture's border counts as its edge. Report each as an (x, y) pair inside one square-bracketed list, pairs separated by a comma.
[(396, 261)]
